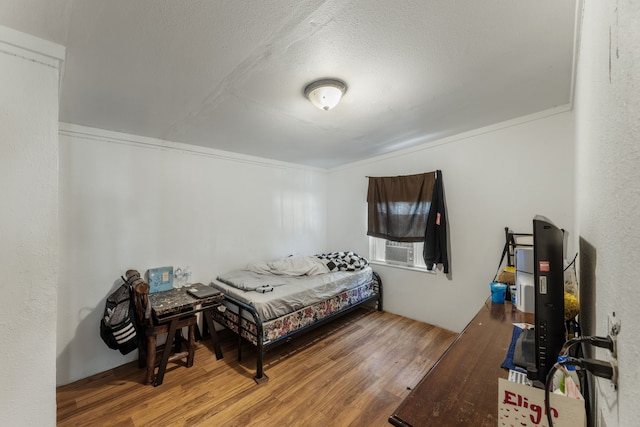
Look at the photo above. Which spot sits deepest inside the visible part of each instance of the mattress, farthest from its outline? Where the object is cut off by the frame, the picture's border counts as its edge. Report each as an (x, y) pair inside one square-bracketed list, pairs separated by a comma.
[(284, 326), (294, 293)]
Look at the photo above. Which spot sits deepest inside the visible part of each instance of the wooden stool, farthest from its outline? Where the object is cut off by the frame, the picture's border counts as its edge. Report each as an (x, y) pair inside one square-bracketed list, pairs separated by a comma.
[(148, 354), (149, 331)]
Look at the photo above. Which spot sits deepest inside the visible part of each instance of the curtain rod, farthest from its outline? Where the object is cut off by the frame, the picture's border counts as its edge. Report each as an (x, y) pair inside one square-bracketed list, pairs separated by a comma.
[(434, 172)]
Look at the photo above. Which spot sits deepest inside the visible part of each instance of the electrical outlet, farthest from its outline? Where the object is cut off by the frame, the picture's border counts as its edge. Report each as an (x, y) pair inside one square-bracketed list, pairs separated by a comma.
[(613, 329), (602, 421)]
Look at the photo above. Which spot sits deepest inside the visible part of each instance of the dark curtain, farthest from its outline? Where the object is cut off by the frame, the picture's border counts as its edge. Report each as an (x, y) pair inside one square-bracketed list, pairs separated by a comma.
[(435, 235), (398, 206)]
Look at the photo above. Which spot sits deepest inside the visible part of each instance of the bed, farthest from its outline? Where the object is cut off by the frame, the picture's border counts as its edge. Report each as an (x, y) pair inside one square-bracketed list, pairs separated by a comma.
[(268, 303)]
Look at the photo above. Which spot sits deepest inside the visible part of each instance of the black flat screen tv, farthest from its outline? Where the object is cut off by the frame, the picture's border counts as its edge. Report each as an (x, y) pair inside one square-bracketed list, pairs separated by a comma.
[(548, 273)]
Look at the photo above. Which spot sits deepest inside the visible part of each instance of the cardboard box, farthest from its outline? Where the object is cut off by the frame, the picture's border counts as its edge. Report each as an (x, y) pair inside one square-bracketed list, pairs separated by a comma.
[(523, 406)]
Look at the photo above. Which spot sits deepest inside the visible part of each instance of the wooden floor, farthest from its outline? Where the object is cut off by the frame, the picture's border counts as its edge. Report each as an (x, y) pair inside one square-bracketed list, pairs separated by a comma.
[(353, 371)]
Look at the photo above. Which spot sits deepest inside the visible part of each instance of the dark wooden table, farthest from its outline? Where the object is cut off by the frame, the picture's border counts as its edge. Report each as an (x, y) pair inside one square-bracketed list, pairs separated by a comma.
[(170, 306), (461, 389)]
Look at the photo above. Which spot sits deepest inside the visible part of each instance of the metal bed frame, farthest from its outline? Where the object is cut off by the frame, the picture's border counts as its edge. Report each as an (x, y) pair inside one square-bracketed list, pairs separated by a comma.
[(261, 346)]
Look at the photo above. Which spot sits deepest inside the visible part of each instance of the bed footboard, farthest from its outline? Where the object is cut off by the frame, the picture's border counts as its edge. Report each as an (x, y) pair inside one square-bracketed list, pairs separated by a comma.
[(244, 321)]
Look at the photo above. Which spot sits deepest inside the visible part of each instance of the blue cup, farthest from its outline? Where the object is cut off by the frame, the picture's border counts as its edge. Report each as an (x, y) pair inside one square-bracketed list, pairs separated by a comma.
[(498, 291)]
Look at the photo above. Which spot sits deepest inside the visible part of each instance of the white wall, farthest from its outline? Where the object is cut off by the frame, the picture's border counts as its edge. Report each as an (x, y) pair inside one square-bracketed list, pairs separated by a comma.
[(132, 202), (498, 176), (29, 70), (608, 195)]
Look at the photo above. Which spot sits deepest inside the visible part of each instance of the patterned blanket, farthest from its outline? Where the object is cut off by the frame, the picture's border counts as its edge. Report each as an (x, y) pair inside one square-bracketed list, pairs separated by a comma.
[(343, 261)]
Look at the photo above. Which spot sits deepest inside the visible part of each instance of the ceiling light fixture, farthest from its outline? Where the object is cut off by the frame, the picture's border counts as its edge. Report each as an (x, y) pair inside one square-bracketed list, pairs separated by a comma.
[(326, 93)]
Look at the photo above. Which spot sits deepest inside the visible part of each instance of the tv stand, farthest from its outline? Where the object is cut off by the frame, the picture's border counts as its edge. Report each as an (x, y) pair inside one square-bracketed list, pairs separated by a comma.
[(462, 387)]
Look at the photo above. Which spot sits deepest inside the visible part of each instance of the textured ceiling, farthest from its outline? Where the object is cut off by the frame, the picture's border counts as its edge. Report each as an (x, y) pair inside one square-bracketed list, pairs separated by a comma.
[(229, 74)]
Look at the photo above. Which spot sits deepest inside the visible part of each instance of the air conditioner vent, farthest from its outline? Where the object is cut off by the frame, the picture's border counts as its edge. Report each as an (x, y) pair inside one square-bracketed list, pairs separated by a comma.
[(398, 253)]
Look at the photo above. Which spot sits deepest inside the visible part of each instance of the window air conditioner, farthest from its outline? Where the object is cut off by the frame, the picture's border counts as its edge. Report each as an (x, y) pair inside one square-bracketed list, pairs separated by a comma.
[(398, 253)]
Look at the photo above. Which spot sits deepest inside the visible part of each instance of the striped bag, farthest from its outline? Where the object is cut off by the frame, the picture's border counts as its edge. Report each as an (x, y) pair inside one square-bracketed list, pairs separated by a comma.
[(117, 328)]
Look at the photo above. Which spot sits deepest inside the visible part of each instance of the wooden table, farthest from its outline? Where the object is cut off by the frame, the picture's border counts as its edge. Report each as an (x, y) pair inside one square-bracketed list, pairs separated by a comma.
[(461, 389), (170, 306)]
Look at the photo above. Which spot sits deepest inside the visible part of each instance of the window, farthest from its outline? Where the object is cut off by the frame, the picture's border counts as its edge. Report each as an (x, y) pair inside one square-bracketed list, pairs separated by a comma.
[(406, 221)]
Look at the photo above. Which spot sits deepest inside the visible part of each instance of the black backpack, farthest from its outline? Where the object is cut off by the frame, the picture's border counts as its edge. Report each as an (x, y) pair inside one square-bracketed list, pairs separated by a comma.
[(117, 327)]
